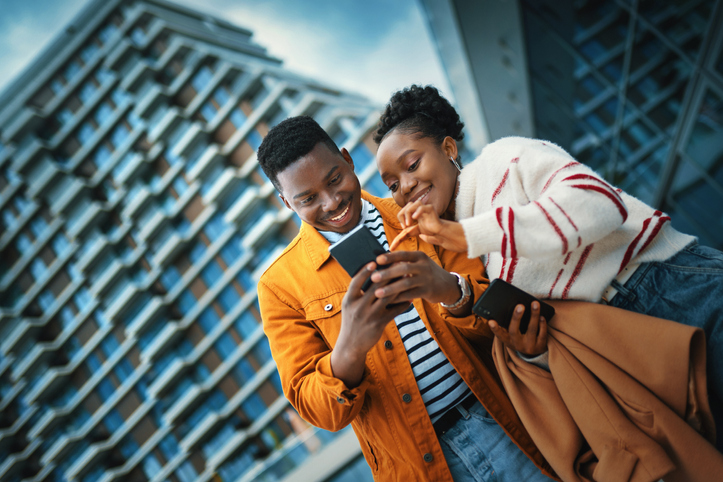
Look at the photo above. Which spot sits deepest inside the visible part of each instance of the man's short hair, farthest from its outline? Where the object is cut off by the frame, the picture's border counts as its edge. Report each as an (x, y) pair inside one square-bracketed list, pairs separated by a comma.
[(289, 141)]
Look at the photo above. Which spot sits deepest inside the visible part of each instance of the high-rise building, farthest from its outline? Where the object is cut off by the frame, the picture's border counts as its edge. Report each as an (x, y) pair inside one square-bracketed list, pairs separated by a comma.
[(135, 223), (633, 88)]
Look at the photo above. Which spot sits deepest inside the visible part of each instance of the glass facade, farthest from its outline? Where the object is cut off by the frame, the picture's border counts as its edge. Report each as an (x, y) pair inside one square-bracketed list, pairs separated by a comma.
[(134, 223), (633, 88), (636, 92)]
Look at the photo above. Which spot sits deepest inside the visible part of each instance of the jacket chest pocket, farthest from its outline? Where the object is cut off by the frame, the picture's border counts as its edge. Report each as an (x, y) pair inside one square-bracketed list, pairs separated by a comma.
[(325, 314)]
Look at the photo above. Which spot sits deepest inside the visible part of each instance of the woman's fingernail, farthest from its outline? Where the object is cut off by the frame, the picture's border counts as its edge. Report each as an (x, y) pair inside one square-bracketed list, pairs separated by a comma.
[(519, 309)]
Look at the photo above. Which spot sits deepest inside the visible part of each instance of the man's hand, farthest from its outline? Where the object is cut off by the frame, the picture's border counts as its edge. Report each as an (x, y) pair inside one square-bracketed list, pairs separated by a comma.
[(363, 319), (412, 274), (533, 341), (430, 228)]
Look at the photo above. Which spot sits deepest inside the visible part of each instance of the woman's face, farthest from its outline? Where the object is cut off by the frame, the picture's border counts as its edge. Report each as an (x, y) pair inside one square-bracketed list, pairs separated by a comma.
[(415, 168)]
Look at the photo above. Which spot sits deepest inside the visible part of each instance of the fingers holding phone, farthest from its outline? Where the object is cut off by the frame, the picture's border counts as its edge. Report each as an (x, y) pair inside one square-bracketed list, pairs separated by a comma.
[(533, 341)]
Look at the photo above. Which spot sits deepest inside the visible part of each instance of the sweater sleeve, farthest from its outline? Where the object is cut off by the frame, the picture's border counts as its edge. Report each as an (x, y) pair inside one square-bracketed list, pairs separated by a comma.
[(544, 203)]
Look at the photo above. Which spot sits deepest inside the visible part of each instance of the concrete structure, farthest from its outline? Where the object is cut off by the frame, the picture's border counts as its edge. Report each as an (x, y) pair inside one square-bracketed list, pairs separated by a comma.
[(135, 222), (634, 89)]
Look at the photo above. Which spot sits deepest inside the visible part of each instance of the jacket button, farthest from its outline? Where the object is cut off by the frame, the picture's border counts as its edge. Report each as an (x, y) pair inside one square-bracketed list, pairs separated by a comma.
[(340, 400), (388, 345), (407, 397), (428, 457), (328, 307)]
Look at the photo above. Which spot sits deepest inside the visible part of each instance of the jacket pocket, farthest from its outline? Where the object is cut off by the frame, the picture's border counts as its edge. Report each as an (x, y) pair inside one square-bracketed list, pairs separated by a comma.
[(325, 314)]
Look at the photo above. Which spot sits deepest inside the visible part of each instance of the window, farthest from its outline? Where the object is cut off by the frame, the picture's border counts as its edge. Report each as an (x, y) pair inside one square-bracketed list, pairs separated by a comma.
[(246, 324), (254, 139), (38, 268), (186, 301), (102, 156), (85, 132), (208, 320), (105, 33), (202, 78), (228, 298), (87, 91), (362, 157), (71, 70), (215, 227), (138, 36), (103, 114), (225, 346), (170, 277), (238, 118), (119, 135), (231, 251)]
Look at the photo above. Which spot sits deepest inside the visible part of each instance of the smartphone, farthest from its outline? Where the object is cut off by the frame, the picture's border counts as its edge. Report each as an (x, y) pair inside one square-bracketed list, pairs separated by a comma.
[(499, 300), (356, 249)]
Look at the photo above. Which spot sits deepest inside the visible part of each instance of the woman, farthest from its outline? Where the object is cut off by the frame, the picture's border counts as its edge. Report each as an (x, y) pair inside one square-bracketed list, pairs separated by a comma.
[(546, 223)]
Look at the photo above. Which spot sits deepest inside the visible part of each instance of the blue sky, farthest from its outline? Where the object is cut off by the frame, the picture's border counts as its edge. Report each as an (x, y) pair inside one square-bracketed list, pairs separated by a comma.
[(372, 47)]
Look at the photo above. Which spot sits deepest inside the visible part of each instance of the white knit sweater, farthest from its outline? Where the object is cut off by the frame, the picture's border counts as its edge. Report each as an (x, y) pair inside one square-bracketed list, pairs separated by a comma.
[(553, 227)]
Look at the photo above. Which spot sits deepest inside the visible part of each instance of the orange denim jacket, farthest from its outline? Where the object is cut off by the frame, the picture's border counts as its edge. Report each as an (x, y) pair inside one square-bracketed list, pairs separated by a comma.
[(300, 297)]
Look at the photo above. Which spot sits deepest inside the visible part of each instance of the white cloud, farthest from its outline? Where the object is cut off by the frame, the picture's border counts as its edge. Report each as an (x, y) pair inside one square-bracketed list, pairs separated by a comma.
[(404, 56)]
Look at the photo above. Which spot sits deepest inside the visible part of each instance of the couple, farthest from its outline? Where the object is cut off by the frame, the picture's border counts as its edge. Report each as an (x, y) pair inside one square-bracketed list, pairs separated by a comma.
[(420, 393)]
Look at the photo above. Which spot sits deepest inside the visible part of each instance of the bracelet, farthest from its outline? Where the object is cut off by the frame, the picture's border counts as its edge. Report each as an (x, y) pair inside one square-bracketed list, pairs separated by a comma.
[(466, 293)]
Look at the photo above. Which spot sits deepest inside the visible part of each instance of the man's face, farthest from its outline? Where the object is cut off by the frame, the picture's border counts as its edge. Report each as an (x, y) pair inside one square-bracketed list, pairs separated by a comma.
[(323, 190)]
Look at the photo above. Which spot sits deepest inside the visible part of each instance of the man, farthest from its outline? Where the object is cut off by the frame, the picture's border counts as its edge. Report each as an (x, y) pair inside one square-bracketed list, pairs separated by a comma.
[(406, 376)]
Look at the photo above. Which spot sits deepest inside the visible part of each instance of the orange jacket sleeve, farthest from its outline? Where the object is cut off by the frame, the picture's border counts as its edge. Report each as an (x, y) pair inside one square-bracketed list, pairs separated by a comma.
[(303, 360)]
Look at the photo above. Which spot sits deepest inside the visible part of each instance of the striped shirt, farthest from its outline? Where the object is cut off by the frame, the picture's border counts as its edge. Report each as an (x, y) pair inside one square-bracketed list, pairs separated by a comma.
[(440, 386)]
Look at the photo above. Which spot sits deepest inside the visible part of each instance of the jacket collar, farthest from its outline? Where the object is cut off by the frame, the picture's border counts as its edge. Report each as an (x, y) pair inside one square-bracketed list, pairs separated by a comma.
[(317, 247)]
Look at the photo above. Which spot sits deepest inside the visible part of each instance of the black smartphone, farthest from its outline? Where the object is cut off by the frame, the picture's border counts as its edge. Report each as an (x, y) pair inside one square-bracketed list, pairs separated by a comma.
[(499, 300), (356, 249)]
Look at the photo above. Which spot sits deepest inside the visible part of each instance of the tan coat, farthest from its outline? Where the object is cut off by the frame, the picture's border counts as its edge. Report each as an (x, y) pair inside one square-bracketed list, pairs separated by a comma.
[(633, 387)]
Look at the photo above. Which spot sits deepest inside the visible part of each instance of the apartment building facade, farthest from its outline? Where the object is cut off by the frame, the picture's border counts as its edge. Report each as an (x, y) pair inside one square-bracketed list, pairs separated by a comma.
[(135, 222)]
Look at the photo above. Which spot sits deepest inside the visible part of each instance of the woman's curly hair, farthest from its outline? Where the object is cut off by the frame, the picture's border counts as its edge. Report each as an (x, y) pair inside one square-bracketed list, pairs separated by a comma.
[(421, 110)]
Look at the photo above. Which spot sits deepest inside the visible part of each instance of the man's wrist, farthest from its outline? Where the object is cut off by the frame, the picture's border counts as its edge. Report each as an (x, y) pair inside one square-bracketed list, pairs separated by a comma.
[(465, 291)]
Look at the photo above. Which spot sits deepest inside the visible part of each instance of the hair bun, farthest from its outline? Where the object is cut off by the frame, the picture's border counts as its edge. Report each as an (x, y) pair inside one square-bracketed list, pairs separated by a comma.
[(422, 109)]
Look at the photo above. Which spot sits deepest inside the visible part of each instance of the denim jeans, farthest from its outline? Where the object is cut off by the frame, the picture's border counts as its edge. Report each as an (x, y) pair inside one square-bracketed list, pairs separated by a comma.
[(478, 450), (687, 288)]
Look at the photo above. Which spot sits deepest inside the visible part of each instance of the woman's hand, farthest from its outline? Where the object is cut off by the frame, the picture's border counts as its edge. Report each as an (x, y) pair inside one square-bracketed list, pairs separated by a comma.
[(430, 228), (533, 341)]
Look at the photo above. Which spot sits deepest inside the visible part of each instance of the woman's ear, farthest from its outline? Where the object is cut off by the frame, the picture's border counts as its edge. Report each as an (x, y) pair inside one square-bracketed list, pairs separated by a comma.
[(449, 146)]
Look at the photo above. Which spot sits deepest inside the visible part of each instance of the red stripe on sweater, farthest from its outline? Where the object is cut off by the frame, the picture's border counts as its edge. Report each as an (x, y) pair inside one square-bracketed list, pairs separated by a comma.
[(578, 269), (513, 245), (563, 212), (549, 295), (511, 271), (549, 181), (502, 270), (503, 249), (618, 204), (515, 160), (656, 230), (511, 230), (567, 258), (588, 177), (499, 188), (631, 247), (555, 227)]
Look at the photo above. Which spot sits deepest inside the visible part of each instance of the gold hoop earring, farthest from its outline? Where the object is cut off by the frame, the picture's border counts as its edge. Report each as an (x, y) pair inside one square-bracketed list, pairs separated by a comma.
[(456, 164)]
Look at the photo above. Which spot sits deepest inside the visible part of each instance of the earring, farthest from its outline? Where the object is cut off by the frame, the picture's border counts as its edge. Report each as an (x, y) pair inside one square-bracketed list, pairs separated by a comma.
[(456, 164)]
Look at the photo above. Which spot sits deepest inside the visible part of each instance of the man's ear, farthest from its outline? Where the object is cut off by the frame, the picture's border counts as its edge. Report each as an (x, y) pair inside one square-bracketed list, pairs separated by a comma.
[(286, 203), (347, 157), (449, 146)]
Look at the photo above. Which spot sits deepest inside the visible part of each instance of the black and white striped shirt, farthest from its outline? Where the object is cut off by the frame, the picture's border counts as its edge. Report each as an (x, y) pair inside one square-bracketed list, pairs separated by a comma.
[(439, 384)]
